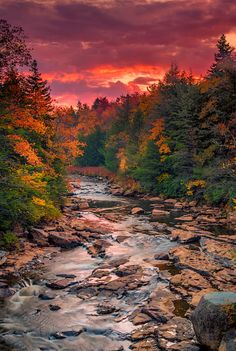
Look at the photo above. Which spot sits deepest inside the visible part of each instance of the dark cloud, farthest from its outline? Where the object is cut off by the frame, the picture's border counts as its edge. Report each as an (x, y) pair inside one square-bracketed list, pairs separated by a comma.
[(79, 36)]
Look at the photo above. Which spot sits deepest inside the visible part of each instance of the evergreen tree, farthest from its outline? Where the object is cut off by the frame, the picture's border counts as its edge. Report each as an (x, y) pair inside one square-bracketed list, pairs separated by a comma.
[(224, 53), (38, 91)]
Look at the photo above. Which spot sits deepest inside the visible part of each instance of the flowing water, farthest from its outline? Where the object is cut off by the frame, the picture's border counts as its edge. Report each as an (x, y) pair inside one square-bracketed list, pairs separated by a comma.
[(28, 323)]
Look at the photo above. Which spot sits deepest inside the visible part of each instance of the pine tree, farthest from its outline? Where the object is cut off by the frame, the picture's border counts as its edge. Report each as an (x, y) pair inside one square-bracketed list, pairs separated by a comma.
[(38, 92), (223, 54)]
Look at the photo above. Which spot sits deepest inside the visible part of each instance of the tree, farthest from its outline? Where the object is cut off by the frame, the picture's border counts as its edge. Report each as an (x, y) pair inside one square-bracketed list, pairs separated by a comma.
[(13, 49), (224, 53)]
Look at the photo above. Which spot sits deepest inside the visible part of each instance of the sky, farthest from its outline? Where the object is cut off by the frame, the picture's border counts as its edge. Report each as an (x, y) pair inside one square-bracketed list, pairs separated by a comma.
[(90, 48)]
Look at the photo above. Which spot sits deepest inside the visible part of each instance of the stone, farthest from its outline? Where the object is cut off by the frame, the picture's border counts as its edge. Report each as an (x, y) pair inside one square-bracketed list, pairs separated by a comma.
[(65, 275), (6, 292), (170, 201), (186, 218), (190, 281), (228, 343), (64, 240), (145, 331), (45, 297), (83, 205), (184, 236), (195, 260), (159, 213), (60, 284), (137, 210), (221, 250), (161, 256), (3, 256), (105, 308), (148, 344), (39, 236), (54, 307), (213, 317), (176, 329)]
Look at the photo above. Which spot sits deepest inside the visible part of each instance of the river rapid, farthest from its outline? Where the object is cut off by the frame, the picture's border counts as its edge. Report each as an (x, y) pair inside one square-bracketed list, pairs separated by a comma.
[(87, 315)]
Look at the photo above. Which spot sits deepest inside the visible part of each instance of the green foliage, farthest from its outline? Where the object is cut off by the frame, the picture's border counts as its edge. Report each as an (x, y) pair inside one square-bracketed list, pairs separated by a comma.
[(94, 149), (8, 240)]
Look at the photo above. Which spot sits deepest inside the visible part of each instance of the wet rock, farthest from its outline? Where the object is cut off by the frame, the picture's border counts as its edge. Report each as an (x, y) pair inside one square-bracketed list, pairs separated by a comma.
[(159, 213), (147, 330), (196, 260), (148, 344), (39, 236), (219, 250), (127, 270), (190, 281), (54, 307), (228, 342), (138, 318), (186, 218), (3, 257), (137, 210), (6, 292), (116, 262), (105, 308), (83, 205), (184, 236), (60, 284), (178, 205), (161, 256), (178, 346), (65, 334), (3, 285), (225, 280), (130, 192), (65, 240), (121, 238), (65, 275), (170, 201), (206, 219), (213, 317), (117, 191), (177, 329), (45, 297), (87, 293)]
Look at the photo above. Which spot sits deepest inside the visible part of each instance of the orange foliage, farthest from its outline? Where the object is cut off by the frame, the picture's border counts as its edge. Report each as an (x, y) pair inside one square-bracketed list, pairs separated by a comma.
[(157, 133), (23, 148)]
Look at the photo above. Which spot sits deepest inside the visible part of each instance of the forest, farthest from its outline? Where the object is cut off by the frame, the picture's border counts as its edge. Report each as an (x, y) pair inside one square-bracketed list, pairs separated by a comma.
[(177, 139)]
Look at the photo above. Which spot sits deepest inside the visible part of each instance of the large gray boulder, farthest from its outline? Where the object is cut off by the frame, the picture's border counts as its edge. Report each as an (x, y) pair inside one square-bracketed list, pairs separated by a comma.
[(214, 316)]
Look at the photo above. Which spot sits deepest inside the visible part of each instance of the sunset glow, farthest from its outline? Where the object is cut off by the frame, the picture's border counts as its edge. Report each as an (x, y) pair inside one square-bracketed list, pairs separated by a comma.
[(108, 48)]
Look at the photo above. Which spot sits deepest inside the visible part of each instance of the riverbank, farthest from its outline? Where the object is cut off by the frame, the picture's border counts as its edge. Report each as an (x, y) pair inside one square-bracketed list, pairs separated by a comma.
[(150, 260)]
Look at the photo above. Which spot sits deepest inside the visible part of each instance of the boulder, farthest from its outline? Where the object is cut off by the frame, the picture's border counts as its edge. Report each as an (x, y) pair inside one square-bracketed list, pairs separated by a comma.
[(228, 342), (184, 236), (213, 317), (60, 284), (137, 210), (39, 236), (63, 240)]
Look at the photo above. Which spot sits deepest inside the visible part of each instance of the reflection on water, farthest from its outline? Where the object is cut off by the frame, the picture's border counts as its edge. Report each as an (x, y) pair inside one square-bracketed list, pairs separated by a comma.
[(28, 322)]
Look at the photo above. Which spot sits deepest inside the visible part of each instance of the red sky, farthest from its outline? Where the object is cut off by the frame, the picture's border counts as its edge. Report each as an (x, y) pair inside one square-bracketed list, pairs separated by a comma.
[(90, 48)]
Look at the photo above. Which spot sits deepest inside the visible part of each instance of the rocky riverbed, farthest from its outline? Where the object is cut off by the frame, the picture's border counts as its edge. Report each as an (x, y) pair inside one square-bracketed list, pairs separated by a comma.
[(115, 273)]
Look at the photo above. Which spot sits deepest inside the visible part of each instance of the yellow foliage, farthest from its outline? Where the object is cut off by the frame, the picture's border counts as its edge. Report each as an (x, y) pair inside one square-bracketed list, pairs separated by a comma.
[(193, 185), (38, 201), (163, 177), (122, 159)]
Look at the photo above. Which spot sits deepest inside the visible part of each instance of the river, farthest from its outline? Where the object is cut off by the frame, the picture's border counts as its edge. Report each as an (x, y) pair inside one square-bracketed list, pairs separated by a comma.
[(84, 320)]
